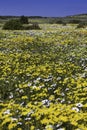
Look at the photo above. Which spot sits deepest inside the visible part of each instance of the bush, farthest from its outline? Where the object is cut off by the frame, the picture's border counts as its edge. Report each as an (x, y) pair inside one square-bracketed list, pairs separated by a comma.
[(34, 26), (75, 21), (24, 20), (59, 22), (17, 25), (56, 21), (13, 25), (82, 25)]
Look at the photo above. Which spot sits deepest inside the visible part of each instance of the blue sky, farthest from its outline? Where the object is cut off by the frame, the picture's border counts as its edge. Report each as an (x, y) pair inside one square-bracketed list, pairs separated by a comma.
[(43, 7)]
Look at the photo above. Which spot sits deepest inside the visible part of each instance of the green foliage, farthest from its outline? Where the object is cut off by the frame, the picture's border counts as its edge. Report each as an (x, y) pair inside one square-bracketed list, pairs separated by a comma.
[(75, 21), (33, 26), (18, 25), (82, 25), (59, 22), (24, 20), (13, 25)]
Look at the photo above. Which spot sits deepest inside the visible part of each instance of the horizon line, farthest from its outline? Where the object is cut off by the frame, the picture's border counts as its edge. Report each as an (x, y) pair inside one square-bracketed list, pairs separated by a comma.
[(41, 16)]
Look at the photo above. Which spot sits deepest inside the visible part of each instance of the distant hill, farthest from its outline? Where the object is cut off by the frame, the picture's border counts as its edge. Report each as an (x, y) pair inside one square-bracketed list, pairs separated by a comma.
[(40, 19), (82, 17), (79, 17), (70, 16)]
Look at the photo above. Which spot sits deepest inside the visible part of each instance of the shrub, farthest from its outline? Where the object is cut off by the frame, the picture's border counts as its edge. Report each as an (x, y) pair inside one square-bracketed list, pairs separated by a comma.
[(13, 25), (17, 25), (82, 25), (34, 26), (56, 21), (24, 20), (59, 22), (75, 21)]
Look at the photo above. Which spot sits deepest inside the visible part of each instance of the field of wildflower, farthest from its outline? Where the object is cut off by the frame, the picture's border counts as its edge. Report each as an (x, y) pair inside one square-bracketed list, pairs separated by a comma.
[(43, 78)]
